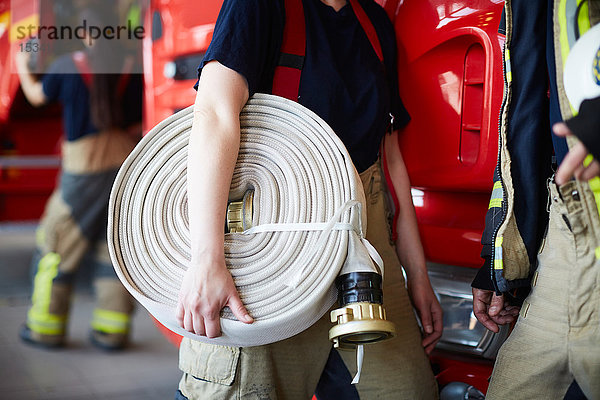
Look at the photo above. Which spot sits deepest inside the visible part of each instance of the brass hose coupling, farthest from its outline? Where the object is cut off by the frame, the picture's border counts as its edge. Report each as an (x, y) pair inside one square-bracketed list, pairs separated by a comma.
[(361, 317), (239, 214)]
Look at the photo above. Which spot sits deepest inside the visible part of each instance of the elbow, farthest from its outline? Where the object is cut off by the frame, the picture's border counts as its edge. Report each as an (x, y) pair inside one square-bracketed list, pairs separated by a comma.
[(35, 95), (36, 101), (210, 124)]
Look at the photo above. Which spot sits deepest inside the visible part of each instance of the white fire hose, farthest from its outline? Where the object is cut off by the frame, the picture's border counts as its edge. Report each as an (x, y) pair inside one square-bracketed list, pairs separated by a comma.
[(306, 220)]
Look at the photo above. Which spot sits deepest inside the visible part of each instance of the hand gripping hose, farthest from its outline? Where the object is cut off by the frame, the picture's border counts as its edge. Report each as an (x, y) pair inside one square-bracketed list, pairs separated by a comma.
[(307, 223)]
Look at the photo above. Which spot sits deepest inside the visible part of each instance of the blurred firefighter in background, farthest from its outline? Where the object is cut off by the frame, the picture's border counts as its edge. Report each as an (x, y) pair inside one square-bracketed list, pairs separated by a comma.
[(102, 113)]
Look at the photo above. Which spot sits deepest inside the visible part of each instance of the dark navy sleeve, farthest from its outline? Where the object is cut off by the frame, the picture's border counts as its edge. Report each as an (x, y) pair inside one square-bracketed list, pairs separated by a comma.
[(53, 80), (387, 38), (399, 112), (132, 100), (246, 39)]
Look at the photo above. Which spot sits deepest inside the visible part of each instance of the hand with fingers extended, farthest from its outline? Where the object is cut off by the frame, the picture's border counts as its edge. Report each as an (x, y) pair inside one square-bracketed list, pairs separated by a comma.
[(429, 311), (205, 290), (573, 163), (491, 310)]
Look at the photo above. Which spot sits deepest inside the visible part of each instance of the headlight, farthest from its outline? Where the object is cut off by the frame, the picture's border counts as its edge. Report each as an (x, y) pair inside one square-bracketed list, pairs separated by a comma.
[(462, 332), (184, 67), (170, 69)]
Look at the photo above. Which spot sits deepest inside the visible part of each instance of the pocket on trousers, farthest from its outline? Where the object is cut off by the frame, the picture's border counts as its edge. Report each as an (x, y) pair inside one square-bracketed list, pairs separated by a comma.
[(209, 362)]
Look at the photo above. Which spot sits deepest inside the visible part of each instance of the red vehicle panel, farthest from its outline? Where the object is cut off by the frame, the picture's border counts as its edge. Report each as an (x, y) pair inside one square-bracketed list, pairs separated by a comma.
[(450, 76), (181, 31), (29, 137)]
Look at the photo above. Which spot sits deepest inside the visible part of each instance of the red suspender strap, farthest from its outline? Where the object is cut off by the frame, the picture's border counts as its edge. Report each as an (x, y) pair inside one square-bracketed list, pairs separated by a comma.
[(125, 75), (81, 63), (286, 81), (368, 27)]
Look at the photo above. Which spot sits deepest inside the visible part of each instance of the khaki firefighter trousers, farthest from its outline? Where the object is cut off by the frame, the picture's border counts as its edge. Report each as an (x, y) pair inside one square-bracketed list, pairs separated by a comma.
[(72, 231), (557, 337), (290, 369)]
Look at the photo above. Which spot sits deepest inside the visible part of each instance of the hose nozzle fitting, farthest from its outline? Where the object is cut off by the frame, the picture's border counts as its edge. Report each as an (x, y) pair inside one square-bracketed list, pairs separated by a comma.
[(361, 317)]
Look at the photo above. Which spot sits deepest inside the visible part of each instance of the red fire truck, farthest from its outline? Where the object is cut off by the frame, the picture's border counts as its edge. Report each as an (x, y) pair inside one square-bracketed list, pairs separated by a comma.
[(450, 77)]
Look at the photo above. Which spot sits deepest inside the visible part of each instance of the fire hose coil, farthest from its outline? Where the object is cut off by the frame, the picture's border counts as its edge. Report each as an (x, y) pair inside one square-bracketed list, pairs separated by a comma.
[(306, 220)]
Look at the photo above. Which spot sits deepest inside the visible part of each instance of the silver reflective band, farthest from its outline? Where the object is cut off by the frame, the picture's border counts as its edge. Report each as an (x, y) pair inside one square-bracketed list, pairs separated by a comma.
[(300, 173)]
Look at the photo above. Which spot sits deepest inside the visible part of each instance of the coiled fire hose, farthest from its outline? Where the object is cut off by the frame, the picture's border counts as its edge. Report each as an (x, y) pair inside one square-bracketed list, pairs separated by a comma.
[(305, 226)]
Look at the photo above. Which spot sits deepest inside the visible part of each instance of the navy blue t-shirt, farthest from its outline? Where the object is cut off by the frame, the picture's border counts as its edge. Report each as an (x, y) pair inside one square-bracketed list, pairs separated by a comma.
[(342, 81), (62, 82)]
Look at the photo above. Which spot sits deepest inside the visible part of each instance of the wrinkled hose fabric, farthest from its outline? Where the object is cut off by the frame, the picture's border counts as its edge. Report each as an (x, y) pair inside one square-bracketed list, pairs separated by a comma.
[(307, 219)]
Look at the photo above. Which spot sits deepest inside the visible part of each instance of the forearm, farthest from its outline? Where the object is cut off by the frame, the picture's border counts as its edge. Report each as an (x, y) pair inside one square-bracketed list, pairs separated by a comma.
[(214, 143), (33, 89), (410, 251), (408, 242), (212, 153)]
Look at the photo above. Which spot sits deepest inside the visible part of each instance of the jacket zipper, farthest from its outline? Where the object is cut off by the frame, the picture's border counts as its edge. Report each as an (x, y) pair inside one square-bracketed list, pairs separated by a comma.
[(499, 169)]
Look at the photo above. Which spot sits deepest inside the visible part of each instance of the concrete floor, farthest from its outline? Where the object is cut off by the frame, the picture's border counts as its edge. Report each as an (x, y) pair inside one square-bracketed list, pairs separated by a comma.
[(145, 370)]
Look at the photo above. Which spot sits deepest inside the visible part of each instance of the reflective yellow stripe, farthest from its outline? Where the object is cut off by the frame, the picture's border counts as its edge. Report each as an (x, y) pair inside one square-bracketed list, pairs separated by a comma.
[(45, 323), (566, 26), (498, 263), (597, 253), (497, 195), (495, 203), (563, 25), (507, 66), (110, 321), (47, 271), (583, 19), (135, 15), (44, 330), (499, 241), (39, 318)]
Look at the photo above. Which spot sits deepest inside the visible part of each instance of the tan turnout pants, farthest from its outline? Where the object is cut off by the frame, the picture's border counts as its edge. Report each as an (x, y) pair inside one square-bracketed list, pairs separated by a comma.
[(557, 336), (290, 369), (74, 226)]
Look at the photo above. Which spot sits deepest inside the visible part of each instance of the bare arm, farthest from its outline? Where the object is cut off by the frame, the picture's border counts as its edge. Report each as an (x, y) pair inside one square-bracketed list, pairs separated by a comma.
[(410, 249), (213, 147), (33, 89)]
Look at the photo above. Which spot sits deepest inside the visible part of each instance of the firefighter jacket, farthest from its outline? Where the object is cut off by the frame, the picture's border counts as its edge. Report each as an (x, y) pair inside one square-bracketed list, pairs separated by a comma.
[(539, 34)]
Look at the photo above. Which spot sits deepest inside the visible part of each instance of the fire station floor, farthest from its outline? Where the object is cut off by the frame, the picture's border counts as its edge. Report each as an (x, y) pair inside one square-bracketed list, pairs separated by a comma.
[(145, 370)]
